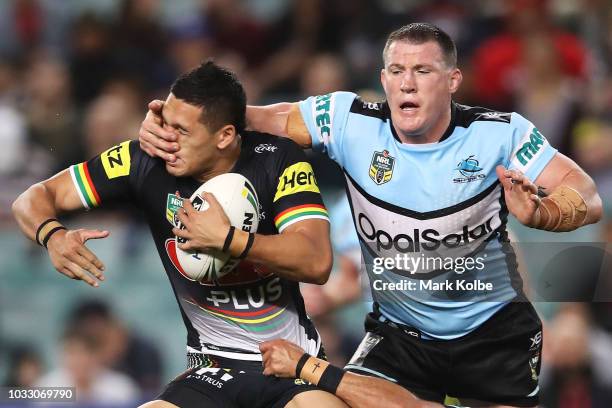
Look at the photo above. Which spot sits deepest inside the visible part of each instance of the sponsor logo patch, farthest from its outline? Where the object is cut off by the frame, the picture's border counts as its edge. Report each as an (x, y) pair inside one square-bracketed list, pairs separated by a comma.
[(296, 178), (531, 147), (116, 160), (216, 377), (536, 341), (381, 167), (323, 113), (417, 240)]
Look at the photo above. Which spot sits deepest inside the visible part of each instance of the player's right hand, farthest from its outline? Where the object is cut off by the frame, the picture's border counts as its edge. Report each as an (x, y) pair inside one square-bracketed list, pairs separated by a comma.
[(280, 357), (71, 257), (153, 138)]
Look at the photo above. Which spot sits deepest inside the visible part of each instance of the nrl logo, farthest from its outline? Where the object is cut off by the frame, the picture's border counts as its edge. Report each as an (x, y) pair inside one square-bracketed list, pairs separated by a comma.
[(381, 168), (173, 203)]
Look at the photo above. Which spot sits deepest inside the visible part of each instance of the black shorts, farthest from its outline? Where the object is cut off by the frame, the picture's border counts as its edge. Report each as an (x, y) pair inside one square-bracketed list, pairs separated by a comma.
[(497, 363), (223, 382)]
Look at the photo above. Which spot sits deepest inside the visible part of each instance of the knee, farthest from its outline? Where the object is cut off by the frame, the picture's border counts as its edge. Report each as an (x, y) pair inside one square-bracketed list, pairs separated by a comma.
[(158, 404), (315, 398)]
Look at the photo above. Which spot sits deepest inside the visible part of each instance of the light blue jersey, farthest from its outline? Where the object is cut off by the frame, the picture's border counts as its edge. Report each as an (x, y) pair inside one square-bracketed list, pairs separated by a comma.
[(431, 218)]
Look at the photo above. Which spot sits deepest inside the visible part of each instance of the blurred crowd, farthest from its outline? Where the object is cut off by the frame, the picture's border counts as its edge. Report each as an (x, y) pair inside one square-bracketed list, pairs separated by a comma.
[(76, 76)]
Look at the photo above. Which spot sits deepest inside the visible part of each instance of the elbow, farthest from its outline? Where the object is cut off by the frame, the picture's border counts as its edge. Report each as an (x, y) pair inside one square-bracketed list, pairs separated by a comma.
[(595, 210), (321, 268), (17, 204)]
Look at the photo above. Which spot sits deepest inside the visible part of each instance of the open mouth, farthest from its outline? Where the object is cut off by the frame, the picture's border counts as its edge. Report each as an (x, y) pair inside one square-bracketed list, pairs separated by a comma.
[(407, 106)]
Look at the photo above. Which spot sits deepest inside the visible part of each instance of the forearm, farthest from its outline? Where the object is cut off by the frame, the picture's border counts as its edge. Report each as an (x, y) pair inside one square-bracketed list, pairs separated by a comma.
[(359, 391), (32, 208), (585, 186), (269, 119), (291, 255), (281, 119)]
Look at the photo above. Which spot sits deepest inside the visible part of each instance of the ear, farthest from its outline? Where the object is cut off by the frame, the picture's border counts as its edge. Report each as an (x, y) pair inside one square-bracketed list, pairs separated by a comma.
[(383, 79), (225, 136), (454, 81)]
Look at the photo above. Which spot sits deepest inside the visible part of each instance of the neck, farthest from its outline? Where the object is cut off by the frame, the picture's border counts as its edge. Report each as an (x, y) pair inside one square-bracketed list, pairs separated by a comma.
[(223, 163), (430, 135)]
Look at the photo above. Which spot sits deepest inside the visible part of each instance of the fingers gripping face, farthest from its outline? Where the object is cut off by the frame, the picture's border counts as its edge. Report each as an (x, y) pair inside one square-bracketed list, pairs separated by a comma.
[(154, 139)]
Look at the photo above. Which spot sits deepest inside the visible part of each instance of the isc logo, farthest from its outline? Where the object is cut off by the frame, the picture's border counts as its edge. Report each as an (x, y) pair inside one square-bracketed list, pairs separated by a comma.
[(294, 179)]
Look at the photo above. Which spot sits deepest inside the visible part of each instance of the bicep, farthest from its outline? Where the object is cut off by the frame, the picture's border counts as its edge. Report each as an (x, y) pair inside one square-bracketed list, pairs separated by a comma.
[(555, 172), (63, 192), (316, 230)]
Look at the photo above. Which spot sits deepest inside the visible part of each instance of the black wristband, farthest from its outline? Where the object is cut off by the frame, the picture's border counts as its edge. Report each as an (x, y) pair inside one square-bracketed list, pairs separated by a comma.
[(330, 380), (53, 231), (228, 239), (300, 364), (248, 246), (41, 226)]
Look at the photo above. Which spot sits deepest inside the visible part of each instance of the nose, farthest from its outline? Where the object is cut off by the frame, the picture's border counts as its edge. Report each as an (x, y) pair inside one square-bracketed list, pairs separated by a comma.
[(408, 85)]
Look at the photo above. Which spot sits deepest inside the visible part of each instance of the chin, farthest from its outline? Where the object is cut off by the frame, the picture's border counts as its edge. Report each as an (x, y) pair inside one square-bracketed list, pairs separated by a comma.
[(174, 170), (410, 128)]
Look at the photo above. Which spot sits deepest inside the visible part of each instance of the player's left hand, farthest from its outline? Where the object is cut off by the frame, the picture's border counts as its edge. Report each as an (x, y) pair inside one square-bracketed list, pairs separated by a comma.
[(521, 195), (280, 357), (205, 229)]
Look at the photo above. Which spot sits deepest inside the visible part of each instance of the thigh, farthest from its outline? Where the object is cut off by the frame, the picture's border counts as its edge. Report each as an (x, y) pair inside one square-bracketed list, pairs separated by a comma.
[(316, 398), (200, 388), (500, 362), (412, 363)]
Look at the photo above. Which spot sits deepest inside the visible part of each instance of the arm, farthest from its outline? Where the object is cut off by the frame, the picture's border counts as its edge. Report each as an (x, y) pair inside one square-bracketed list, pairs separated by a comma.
[(302, 252), (280, 358), (282, 119), (563, 171), (572, 199), (67, 249)]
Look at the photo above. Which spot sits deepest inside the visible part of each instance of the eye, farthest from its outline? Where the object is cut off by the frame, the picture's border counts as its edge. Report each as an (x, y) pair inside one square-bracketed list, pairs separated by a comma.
[(395, 72), (423, 71)]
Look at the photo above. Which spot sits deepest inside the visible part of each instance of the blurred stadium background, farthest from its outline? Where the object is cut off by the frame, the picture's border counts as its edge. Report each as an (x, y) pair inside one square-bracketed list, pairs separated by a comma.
[(75, 77)]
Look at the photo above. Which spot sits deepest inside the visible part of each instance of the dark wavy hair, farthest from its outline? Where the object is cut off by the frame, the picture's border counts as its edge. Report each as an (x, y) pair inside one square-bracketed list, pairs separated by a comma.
[(217, 91)]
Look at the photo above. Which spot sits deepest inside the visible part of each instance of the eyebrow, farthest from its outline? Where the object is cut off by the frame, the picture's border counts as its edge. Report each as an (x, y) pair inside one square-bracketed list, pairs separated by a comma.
[(420, 66), (395, 65)]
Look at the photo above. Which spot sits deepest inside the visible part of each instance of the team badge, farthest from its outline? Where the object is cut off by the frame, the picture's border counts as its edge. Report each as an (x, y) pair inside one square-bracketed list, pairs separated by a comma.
[(381, 168), (173, 203), (470, 170)]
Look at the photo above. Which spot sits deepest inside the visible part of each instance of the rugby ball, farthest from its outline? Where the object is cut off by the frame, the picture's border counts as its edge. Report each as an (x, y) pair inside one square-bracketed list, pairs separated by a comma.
[(238, 199)]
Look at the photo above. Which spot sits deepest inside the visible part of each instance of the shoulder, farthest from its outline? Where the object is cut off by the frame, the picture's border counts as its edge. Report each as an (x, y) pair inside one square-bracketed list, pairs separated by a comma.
[(378, 110), (465, 115), (505, 127), (265, 144)]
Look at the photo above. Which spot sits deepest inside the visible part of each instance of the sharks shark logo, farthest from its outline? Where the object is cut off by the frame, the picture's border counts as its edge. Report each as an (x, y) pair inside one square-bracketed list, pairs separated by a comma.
[(469, 169)]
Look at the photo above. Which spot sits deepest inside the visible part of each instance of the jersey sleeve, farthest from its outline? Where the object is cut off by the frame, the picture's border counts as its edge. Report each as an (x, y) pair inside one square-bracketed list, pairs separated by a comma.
[(529, 151), (326, 118), (109, 177), (296, 193)]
